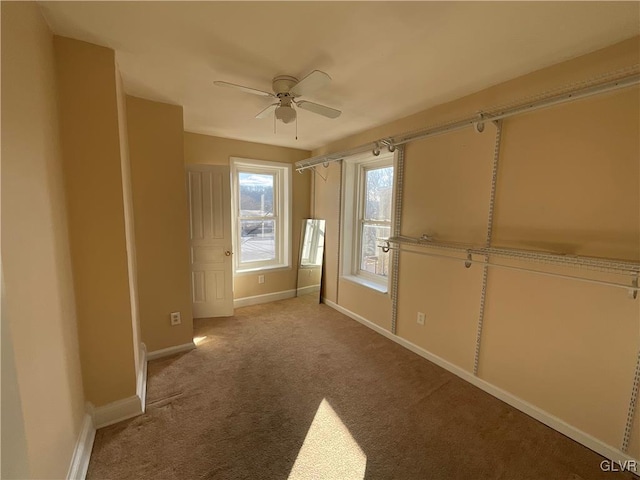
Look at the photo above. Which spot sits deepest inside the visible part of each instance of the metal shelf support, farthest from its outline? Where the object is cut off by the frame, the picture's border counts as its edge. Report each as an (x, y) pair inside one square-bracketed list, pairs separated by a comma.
[(633, 403), (485, 269), (395, 268)]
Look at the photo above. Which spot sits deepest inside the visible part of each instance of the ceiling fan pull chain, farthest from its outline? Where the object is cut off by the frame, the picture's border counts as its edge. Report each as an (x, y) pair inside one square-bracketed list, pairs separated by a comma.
[(296, 127)]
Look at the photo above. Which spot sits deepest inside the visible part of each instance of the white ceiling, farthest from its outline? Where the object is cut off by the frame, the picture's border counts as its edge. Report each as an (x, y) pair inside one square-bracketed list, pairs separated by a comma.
[(387, 59)]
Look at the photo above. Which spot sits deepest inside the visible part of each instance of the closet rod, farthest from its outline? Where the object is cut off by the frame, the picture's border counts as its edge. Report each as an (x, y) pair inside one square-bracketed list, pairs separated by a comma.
[(489, 115), (631, 288), (599, 264)]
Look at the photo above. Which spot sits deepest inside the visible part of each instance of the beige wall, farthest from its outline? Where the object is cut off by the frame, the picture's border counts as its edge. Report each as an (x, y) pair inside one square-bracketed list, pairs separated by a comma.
[(41, 381), (93, 179), (13, 441), (586, 192), (569, 182), (156, 142), (207, 150), (326, 206)]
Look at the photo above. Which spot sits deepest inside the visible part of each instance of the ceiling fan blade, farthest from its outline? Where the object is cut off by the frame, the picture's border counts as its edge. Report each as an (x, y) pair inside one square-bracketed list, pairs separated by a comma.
[(310, 83), (319, 109), (267, 111), (244, 89)]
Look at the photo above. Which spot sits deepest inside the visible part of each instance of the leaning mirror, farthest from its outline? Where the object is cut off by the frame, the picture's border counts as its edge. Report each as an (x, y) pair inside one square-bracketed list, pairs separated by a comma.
[(311, 254)]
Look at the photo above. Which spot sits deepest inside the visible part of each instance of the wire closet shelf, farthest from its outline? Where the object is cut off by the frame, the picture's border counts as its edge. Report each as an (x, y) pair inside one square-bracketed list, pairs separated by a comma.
[(595, 264), (609, 82)]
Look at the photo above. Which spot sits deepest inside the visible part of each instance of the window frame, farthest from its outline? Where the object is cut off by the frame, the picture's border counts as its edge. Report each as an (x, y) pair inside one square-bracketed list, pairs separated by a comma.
[(354, 175), (282, 186)]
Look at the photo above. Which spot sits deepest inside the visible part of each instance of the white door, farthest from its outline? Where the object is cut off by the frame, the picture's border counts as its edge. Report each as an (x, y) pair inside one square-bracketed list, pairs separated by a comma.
[(210, 223)]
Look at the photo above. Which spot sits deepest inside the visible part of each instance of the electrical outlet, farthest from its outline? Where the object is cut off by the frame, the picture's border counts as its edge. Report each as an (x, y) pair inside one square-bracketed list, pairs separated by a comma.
[(260, 278), (175, 318), (420, 319)]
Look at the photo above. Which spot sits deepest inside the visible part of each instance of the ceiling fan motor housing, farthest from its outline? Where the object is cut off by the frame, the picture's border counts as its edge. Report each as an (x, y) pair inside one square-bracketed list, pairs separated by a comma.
[(283, 83), (281, 86)]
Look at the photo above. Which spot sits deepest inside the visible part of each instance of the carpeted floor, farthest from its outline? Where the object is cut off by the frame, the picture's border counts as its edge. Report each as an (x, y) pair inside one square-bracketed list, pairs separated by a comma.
[(293, 389)]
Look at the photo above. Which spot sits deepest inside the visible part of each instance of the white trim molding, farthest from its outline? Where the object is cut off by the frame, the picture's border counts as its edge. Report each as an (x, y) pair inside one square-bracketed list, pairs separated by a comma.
[(107, 415), (165, 352), (266, 298), (82, 452), (548, 419), (117, 411), (141, 383), (124, 408), (354, 171), (281, 213)]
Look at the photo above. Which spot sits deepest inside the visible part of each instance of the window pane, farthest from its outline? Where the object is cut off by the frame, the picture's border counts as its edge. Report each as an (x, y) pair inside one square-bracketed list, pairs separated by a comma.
[(257, 240), (256, 194), (372, 258), (377, 195)]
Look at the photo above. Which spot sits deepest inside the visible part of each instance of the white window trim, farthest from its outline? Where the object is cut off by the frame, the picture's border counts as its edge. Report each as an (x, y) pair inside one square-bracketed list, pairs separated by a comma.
[(282, 198), (350, 231)]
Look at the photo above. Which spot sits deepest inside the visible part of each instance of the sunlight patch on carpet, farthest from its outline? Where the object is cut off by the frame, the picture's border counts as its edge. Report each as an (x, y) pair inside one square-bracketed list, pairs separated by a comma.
[(329, 451)]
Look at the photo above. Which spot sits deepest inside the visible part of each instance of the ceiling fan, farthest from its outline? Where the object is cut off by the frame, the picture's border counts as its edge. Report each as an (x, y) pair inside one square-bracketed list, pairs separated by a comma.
[(286, 90)]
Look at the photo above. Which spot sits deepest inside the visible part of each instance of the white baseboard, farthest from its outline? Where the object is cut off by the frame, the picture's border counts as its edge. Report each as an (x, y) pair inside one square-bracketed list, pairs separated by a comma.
[(125, 408), (309, 289), (548, 419), (266, 298), (98, 417), (82, 452), (165, 352), (117, 411)]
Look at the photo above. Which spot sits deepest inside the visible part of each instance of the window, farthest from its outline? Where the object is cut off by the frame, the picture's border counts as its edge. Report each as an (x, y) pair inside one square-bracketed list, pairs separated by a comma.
[(368, 213), (262, 217)]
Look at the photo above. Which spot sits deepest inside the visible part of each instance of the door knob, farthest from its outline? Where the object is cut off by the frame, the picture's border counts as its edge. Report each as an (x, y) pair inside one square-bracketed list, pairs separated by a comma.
[(227, 253)]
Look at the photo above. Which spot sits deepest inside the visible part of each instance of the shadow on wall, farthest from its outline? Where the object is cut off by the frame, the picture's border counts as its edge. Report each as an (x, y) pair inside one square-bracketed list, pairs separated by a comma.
[(554, 241)]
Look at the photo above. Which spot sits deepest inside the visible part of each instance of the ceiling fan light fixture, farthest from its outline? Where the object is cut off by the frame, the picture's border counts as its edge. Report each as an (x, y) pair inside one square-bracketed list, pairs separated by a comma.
[(285, 113)]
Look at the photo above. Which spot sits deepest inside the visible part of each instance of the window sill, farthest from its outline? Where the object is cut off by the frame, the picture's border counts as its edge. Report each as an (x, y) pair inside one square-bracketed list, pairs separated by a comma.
[(366, 283), (274, 268)]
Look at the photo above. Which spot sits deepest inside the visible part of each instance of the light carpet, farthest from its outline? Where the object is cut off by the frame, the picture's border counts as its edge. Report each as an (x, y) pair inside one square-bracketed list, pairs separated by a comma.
[(294, 389)]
